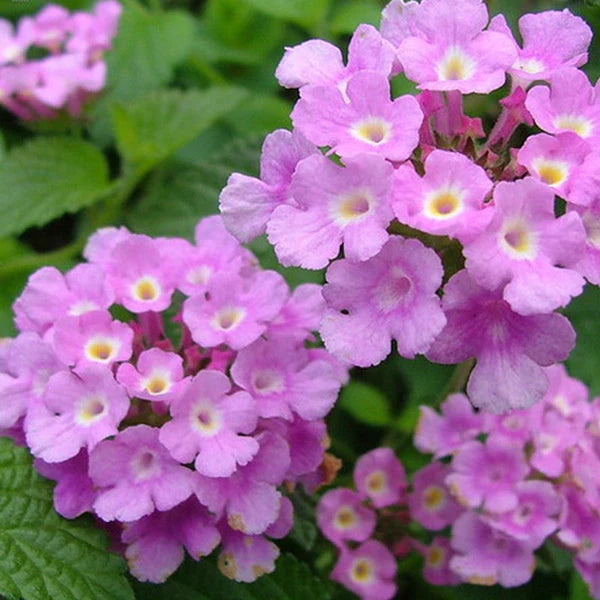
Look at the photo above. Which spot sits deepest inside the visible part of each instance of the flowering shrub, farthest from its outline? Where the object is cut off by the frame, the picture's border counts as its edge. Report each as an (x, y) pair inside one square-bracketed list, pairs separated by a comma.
[(426, 214), (37, 88), (178, 443), (501, 486), (420, 198)]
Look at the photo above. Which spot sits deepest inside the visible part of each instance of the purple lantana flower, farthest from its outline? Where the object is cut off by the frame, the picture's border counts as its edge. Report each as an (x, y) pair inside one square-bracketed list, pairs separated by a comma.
[(335, 205), (510, 348), (391, 296), (486, 474), (134, 475), (528, 246), (207, 424), (369, 122), (77, 410)]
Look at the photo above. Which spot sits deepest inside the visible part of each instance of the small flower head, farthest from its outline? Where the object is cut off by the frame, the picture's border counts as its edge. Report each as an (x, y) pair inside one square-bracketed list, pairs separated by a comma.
[(380, 476), (368, 571), (342, 516), (391, 296)]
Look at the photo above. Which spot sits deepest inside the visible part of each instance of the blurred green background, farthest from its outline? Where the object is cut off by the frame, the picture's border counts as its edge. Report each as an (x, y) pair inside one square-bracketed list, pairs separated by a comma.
[(191, 93)]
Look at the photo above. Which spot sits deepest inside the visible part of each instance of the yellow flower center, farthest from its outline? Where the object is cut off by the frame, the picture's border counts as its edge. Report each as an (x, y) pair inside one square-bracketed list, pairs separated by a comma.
[(373, 130)]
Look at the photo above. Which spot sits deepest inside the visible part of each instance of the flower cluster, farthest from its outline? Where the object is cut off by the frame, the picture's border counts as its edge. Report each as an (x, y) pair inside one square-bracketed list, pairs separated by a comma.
[(180, 441), (497, 489), (70, 69), (401, 197)]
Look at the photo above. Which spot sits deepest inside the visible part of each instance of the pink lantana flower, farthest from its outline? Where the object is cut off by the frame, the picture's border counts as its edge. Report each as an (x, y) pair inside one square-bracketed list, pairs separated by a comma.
[(249, 499), (369, 571), (447, 48), (284, 380), (50, 295), (207, 424), (342, 516), (367, 121), (135, 475), (390, 296), (335, 205), (443, 434), (94, 337), (380, 477), (158, 376), (235, 311), (156, 543), (510, 348), (247, 203), (485, 556), (552, 40), (317, 62), (569, 104), (534, 518), (430, 501), (528, 245), (563, 162), (447, 200), (138, 275), (485, 475), (78, 411)]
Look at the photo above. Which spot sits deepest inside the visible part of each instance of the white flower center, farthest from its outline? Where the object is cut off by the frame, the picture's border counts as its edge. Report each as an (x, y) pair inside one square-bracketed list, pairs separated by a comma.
[(518, 240), (205, 418), (577, 123), (90, 410), (552, 172), (362, 571), (373, 130), (146, 289), (444, 203), (455, 65), (390, 293), (268, 382), (102, 349), (228, 318)]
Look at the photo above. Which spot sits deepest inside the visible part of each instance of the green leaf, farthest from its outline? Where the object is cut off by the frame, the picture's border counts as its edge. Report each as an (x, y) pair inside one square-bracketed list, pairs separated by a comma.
[(152, 128), (292, 580), (365, 403), (176, 198), (175, 201), (45, 557), (307, 13), (148, 46), (425, 382), (578, 589), (261, 113), (348, 16), (584, 314), (304, 531), (46, 177)]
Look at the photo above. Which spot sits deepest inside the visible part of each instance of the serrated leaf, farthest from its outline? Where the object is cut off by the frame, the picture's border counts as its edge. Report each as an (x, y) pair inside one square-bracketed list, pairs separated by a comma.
[(584, 314), (147, 48), (152, 128), (291, 580), (179, 197), (47, 177), (45, 557), (307, 13), (304, 531), (365, 403)]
